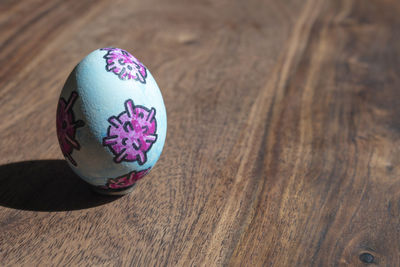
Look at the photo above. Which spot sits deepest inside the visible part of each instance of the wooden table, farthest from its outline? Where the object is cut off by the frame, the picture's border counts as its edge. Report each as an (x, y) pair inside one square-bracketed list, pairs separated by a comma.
[(283, 145)]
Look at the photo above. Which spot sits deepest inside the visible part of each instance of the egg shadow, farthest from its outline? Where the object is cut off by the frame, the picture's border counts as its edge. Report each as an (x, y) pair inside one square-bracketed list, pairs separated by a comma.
[(46, 185)]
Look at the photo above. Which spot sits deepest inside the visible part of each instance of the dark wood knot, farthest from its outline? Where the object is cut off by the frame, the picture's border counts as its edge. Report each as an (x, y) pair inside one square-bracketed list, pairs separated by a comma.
[(367, 257)]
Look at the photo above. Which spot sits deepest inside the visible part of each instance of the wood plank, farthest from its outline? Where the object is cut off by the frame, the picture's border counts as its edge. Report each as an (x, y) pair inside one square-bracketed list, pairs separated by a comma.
[(283, 135)]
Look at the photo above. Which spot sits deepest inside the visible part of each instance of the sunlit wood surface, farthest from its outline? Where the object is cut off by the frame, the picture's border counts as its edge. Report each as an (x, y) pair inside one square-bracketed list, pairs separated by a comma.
[(283, 144)]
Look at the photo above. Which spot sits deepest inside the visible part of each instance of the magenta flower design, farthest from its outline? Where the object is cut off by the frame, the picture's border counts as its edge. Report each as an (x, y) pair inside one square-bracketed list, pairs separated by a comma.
[(125, 180), (131, 134), (124, 65), (66, 126)]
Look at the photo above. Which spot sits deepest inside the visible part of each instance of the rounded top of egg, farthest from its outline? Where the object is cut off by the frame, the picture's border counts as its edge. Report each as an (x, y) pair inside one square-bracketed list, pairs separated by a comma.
[(111, 119)]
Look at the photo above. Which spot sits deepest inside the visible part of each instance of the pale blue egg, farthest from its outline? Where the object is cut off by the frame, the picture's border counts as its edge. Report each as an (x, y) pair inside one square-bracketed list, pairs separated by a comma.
[(111, 120)]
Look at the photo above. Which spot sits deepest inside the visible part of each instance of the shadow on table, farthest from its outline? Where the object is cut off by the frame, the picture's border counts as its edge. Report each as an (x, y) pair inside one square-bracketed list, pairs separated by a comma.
[(46, 185)]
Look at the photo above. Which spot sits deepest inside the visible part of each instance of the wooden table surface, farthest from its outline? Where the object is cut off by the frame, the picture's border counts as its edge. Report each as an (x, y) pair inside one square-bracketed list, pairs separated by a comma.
[(283, 144)]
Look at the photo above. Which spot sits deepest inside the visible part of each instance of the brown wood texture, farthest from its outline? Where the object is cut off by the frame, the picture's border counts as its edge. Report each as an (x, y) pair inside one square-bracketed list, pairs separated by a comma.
[(283, 144)]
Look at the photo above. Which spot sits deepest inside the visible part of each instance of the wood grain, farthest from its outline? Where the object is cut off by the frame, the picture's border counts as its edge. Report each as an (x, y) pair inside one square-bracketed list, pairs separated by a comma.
[(283, 137)]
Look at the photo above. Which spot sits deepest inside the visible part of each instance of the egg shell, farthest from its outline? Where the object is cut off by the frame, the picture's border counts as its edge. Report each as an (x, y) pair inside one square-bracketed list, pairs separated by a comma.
[(101, 97)]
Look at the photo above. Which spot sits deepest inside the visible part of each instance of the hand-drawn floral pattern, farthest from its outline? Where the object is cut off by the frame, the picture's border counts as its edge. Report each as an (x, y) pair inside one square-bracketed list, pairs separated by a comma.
[(66, 126), (124, 65), (131, 134), (125, 180)]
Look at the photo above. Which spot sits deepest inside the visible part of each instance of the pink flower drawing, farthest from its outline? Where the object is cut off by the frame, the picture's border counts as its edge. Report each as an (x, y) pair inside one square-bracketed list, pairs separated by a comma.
[(66, 126), (124, 65), (126, 180), (132, 133)]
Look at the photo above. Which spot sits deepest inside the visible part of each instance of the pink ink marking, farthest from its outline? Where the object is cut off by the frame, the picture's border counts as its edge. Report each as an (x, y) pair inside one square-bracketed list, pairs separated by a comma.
[(124, 65), (132, 133), (66, 126), (126, 180)]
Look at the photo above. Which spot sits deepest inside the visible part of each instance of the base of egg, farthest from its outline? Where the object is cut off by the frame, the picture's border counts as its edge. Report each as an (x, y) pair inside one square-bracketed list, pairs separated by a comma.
[(109, 192)]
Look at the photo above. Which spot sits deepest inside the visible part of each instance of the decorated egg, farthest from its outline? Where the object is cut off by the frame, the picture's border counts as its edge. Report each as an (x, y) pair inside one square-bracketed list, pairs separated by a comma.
[(111, 120)]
